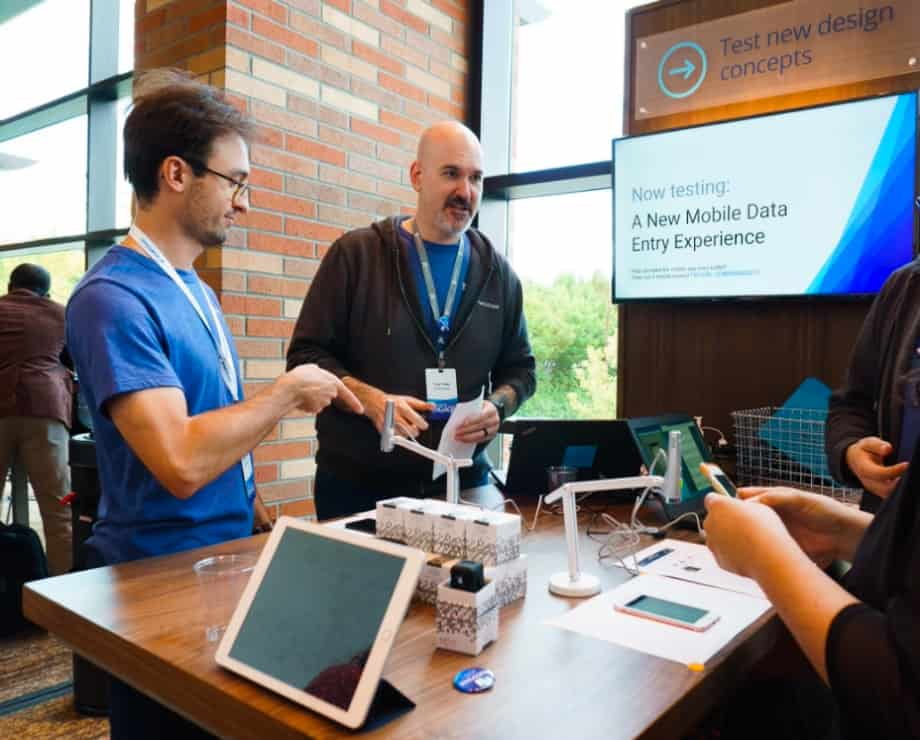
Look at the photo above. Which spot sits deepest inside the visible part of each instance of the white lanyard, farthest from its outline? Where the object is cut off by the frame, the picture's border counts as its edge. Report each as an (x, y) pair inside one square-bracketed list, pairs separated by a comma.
[(227, 366)]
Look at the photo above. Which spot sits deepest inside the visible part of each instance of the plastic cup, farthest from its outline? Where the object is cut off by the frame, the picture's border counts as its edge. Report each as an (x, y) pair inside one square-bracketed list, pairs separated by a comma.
[(221, 580), (557, 475)]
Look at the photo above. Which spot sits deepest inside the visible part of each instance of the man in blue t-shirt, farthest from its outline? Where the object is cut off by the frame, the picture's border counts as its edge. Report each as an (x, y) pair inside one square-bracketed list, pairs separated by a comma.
[(156, 359)]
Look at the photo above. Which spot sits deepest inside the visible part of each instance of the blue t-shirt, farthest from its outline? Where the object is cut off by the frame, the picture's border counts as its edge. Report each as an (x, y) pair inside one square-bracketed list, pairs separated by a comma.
[(441, 258), (130, 328)]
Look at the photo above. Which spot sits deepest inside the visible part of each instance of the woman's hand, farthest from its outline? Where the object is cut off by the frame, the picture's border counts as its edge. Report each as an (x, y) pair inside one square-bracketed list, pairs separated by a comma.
[(742, 534)]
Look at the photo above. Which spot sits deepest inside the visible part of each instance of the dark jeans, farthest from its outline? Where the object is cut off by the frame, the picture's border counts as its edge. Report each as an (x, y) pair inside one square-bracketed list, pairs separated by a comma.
[(336, 497), (135, 716)]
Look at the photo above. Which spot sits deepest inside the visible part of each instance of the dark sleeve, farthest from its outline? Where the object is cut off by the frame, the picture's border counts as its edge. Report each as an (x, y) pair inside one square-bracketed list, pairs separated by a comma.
[(871, 662), (321, 332), (852, 408), (516, 366)]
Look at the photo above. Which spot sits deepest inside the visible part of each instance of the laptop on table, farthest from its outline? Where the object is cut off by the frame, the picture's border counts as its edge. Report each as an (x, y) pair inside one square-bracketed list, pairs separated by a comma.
[(595, 448)]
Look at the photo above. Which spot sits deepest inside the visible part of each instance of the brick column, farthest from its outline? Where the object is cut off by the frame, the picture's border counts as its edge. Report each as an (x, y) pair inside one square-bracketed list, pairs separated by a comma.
[(340, 90)]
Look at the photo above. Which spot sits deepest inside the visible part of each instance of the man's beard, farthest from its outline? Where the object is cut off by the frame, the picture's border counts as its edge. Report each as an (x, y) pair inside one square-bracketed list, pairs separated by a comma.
[(450, 223), (196, 228)]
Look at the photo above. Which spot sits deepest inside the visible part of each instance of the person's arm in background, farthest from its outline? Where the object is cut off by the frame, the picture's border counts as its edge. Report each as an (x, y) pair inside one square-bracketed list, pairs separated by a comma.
[(855, 452), (186, 452)]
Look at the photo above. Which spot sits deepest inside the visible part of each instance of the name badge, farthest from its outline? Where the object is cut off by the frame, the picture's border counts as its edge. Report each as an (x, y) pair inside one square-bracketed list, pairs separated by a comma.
[(441, 390), (248, 477)]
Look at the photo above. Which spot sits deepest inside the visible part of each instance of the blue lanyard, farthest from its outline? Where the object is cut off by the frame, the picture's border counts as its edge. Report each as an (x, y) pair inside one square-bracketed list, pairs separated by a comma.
[(441, 317)]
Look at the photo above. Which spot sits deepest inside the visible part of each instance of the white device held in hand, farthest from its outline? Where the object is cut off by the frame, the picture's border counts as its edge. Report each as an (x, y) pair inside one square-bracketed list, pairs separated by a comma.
[(721, 483), (668, 612)]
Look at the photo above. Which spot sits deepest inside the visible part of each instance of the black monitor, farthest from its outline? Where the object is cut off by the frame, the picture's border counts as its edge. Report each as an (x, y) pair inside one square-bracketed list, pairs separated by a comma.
[(596, 448)]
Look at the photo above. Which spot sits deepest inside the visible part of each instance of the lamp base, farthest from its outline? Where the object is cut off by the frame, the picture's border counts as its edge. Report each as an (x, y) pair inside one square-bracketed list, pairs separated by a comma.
[(585, 585)]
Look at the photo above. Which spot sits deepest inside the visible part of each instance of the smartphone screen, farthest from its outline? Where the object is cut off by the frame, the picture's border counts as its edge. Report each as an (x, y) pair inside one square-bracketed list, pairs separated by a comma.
[(726, 484), (721, 483), (689, 615)]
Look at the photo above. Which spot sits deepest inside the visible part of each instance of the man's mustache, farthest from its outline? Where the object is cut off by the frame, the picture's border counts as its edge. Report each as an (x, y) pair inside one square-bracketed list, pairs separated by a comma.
[(458, 203)]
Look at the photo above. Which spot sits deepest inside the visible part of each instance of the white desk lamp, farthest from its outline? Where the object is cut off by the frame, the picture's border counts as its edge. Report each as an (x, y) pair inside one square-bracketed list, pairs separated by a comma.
[(388, 438), (573, 582)]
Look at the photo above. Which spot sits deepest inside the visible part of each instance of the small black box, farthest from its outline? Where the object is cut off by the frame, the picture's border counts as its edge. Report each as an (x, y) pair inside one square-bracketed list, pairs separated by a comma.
[(467, 575)]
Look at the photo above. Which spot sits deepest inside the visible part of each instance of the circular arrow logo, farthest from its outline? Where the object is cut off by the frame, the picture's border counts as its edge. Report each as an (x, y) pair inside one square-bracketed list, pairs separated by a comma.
[(681, 68)]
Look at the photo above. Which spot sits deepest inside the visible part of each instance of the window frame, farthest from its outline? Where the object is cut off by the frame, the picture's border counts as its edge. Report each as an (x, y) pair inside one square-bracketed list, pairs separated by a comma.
[(99, 102)]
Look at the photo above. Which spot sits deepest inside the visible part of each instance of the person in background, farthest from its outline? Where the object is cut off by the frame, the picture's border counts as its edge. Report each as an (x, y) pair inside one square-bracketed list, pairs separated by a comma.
[(36, 401), (873, 421), (157, 362), (423, 311)]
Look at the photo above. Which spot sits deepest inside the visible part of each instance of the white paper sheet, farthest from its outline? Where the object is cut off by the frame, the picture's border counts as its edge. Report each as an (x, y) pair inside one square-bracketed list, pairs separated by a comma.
[(597, 618), (450, 446), (691, 562)]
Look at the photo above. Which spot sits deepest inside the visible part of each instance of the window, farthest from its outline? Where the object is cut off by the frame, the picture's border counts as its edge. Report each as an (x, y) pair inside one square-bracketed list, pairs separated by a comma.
[(44, 51), (555, 70), (65, 263), (567, 96), (44, 185), (560, 248), (123, 190), (59, 131), (125, 35)]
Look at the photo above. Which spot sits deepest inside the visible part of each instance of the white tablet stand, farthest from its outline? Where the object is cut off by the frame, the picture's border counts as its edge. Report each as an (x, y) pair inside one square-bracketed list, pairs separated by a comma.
[(388, 439), (573, 582)]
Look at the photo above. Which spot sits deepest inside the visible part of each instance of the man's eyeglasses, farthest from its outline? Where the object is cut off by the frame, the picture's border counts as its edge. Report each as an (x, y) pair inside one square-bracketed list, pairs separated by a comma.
[(241, 187)]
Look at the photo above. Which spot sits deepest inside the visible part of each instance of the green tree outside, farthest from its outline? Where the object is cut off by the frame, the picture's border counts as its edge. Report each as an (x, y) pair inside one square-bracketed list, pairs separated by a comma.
[(572, 327)]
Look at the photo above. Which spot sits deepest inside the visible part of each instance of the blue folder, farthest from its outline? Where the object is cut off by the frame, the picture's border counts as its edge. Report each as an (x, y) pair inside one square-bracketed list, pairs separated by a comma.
[(797, 427)]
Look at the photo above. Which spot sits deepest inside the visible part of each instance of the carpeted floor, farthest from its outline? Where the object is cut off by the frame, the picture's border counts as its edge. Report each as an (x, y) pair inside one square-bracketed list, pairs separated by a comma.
[(30, 662), (36, 698), (53, 719)]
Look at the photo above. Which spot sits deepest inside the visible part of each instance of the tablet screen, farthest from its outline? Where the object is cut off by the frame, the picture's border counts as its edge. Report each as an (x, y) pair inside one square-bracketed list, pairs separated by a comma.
[(316, 614)]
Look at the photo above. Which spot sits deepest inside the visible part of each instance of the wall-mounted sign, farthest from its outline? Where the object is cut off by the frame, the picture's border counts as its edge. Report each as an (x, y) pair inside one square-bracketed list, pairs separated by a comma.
[(797, 45)]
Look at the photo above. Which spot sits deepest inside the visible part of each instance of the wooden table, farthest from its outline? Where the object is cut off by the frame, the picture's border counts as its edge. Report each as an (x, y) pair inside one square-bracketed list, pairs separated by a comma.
[(142, 622)]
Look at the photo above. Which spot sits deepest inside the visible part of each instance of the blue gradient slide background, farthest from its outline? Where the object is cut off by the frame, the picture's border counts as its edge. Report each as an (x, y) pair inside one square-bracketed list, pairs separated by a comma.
[(877, 238)]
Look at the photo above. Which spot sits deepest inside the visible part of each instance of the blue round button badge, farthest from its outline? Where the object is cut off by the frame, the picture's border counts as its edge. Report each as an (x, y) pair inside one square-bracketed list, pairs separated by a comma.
[(474, 680)]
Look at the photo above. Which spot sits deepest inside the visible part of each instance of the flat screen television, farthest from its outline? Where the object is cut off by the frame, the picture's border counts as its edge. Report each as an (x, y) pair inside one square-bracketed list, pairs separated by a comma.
[(815, 202)]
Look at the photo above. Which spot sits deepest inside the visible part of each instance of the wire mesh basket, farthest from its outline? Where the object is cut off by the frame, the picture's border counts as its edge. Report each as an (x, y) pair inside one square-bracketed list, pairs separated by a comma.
[(785, 447)]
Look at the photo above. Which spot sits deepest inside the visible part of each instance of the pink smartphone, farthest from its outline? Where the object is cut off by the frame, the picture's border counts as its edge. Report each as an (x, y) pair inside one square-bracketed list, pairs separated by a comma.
[(668, 612)]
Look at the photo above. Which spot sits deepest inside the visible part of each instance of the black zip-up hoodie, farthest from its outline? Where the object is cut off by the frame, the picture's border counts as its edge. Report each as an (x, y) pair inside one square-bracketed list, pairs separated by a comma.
[(870, 403), (362, 317)]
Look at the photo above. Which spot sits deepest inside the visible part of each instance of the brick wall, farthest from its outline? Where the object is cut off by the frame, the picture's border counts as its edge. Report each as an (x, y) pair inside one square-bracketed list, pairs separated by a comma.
[(340, 90)]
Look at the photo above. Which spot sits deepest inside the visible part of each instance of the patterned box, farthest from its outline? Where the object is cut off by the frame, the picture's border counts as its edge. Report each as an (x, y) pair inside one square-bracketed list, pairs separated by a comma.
[(466, 622), (493, 538), (391, 517), (450, 532), (434, 572), (510, 580), (418, 523)]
